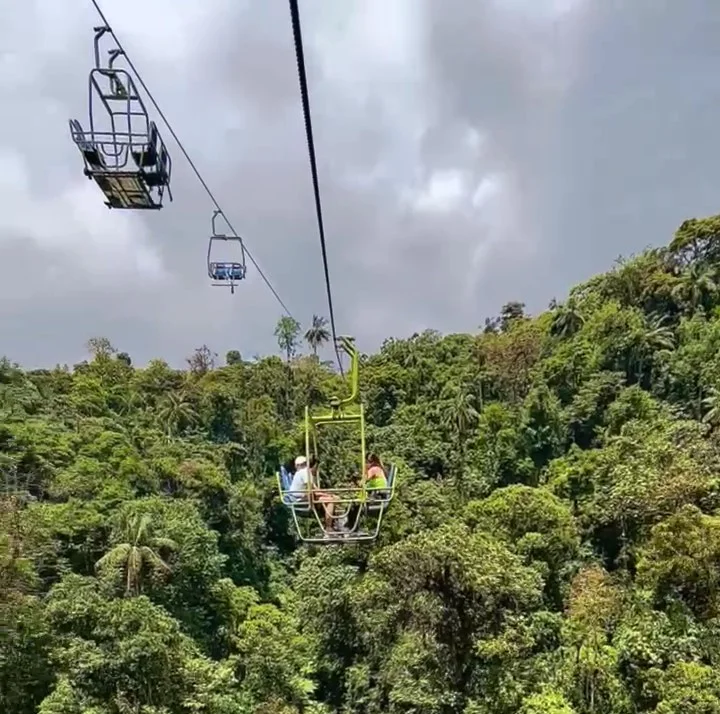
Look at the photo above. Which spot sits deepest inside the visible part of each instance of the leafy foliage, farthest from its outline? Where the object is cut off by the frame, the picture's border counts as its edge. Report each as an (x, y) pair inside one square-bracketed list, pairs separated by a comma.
[(554, 545)]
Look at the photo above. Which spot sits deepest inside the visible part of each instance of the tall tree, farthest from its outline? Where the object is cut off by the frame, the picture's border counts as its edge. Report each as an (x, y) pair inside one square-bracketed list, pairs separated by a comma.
[(124, 357), (318, 333), (100, 348), (287, 331), (202, 360), (511, 312), (460, 416)]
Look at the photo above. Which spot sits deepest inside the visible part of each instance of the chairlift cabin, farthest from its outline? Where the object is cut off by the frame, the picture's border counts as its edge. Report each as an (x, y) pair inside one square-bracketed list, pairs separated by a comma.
[(226, 273), (122, 150), (369, 504)]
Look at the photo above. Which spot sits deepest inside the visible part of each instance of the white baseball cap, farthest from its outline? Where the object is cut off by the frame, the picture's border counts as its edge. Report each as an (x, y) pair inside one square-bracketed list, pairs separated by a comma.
[(300, 461)]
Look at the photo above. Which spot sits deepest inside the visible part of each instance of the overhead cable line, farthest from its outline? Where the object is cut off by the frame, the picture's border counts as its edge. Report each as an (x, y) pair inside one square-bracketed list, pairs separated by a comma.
[(186, 155), (300, 57)]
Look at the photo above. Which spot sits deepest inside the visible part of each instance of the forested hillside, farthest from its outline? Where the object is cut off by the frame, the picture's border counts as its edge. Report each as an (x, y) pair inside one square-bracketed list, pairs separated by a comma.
[(553, 546)]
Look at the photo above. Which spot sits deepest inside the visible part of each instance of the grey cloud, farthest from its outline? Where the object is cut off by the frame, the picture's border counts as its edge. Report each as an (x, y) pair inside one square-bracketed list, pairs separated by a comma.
[(610, 154), (599, 123), (636, 142), (250, 55)]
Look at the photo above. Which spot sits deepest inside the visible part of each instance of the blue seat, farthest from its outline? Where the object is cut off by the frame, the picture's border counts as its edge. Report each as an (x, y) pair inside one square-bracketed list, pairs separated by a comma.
[(285, 483), (227, 271)]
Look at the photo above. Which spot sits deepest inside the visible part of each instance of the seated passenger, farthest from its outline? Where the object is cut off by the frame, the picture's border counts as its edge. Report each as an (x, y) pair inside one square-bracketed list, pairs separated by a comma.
[(298, 490), (375, 477)]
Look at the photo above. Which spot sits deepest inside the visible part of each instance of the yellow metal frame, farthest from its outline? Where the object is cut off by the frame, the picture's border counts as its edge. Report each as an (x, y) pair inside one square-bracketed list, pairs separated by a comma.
[(341, 411)]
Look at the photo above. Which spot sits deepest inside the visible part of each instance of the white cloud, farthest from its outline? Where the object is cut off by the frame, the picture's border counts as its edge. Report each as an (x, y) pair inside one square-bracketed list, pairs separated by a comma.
[(486, 190), (443, 191)]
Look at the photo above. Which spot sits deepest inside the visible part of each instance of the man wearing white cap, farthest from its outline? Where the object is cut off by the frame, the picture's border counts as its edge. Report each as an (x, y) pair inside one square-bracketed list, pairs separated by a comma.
[(299, 489), (299, 485)]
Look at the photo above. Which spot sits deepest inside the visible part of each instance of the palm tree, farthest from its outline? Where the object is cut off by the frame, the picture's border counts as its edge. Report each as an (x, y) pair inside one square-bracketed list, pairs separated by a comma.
[(659, 336), (174, 410), (712, 402), (287, 331), (695, 286), (461, 415), (126, 400), (460, 418), (567, 319), (657, 339), (318, 333), (136, 552)]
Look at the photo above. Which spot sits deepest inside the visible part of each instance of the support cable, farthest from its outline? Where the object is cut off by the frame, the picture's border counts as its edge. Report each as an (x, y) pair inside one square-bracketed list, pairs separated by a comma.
[(187, 156), (300, 57)]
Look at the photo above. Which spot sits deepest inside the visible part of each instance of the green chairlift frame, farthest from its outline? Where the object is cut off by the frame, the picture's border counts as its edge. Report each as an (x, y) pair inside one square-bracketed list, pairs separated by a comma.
[(341, 411)]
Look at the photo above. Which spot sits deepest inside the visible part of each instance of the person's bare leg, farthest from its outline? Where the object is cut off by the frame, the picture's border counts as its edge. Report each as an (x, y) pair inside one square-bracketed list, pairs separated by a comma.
[(333, 506), (328, 506)]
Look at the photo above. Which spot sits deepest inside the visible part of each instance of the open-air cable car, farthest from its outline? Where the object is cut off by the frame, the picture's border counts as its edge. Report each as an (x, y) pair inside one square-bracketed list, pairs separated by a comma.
[(123, 150), (368, 504), (226, 273)]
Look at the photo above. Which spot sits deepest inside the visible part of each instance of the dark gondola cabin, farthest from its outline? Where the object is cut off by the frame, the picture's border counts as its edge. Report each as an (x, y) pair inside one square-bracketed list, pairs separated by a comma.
[(122, 149)]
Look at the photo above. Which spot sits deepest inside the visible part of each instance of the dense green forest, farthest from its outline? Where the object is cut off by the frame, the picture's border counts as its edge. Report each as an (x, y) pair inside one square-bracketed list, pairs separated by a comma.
[(553, 546)]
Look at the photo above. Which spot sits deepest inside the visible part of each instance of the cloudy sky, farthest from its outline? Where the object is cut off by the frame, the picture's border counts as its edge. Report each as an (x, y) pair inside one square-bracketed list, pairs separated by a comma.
[(470, 153)]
